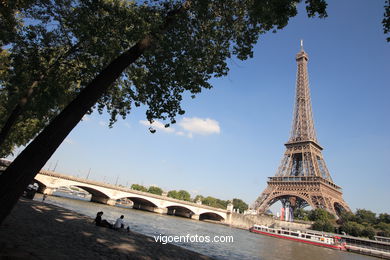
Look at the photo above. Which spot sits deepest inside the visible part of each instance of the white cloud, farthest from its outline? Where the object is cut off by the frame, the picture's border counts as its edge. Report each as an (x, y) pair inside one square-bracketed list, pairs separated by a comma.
[(180, 133), (158, 126), (190, 126), (200, 126)]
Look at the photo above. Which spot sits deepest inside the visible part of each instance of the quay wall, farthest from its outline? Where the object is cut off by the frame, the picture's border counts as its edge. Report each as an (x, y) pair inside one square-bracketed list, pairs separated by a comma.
[(369, 251), (247, 221)]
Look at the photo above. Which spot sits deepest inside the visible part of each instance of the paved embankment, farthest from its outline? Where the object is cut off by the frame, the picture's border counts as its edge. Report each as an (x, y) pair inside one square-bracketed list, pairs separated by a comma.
[(368, 251), (36, 230)]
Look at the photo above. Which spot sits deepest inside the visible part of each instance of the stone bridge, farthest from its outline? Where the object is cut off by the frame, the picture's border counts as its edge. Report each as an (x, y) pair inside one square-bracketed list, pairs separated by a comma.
[(109, 194)]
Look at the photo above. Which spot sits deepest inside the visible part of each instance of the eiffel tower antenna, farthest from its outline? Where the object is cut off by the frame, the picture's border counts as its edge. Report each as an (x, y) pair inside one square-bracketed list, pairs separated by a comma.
[(302, 178)]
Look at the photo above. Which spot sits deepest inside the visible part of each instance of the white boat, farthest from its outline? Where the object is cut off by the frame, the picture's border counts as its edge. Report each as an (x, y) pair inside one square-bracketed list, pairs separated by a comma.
[(304, 236)]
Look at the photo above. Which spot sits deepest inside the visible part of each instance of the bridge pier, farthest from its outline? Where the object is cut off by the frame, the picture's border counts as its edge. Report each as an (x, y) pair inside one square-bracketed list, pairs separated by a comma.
[(103, 200), (48, 191), (195, 216), (111, 202), (182, 213), (161, 210), (228, 219), (145, 207)]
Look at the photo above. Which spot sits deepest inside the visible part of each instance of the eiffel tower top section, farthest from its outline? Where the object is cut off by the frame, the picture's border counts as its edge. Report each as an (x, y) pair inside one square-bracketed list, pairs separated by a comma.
[(303, 125)]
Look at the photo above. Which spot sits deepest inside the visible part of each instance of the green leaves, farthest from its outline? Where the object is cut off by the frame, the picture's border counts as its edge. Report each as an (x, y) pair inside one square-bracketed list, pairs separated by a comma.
[(323, 225), (240, 205), (316, 7), (139, 187), (214, 202), (386, 19), (180, 195), (155, 190), (64, 44), (320, 214)]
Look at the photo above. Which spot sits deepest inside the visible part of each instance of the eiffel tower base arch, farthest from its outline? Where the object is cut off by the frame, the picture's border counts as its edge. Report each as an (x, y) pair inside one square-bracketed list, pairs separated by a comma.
[(313, 192)]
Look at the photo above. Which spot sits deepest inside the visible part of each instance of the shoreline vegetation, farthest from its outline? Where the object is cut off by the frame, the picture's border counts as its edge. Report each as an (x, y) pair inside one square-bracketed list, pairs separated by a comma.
[(36, 230)]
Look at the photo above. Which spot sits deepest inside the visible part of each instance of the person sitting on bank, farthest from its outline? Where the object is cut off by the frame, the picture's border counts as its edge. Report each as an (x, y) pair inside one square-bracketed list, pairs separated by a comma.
[(102, 222), (119, 223)]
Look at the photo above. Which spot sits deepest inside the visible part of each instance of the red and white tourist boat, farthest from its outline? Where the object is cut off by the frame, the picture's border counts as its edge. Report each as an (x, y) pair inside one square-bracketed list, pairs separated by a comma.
[(304, 236)]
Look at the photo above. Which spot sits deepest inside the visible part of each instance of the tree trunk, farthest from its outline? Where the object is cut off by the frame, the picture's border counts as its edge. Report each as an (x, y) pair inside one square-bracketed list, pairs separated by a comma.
[(23, 169)]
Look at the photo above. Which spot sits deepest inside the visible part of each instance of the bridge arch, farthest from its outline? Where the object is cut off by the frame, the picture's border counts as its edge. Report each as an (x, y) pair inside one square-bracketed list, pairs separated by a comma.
[(180, 211), (41, 186), (142, 203), (301, 201), (97, 195), (211, 216)]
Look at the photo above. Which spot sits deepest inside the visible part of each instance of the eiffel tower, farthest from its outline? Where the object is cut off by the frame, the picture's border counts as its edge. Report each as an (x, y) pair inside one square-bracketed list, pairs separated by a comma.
[(302, 178)]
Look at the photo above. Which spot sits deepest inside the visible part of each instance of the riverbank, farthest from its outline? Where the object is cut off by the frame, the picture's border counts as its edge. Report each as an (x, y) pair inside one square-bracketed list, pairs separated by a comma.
[(36, 230)]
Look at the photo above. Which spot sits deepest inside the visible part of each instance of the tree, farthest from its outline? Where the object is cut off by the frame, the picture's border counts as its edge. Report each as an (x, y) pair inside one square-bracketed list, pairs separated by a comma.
[(386, 19), (173, 194), (214, 202), (210, 201), (10, 18), (180, 195), (75, 22), (180, 47), (240, 205), (369, 232), (50, 60), (139, 187), (323, 225), (301, 214), (365, 216), (34, 88), (364, 223), (346, 216), (319, 214), (384, 229), (184, 195), (352, 228), (155, 190), (384, 217), (197, 198)]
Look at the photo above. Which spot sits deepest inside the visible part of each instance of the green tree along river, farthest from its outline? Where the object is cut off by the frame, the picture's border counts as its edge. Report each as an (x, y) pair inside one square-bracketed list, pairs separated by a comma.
[(245, 245)]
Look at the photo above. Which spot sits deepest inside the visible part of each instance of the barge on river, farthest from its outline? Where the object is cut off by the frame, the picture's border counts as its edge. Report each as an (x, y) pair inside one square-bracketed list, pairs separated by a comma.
[(304, 236)]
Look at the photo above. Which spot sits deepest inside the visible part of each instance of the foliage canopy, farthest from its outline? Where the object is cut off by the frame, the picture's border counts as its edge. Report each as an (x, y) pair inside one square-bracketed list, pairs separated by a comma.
[(59, 46)]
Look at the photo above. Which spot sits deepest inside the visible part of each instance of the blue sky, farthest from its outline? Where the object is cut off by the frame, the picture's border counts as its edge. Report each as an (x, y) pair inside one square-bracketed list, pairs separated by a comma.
[(231, 137)]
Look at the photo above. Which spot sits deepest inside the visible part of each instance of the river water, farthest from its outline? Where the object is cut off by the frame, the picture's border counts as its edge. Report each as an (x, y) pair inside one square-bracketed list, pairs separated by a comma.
[(245, 245)]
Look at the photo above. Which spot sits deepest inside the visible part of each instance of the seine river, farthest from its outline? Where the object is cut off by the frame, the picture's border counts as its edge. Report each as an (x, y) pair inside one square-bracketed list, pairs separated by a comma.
[(245, 245)]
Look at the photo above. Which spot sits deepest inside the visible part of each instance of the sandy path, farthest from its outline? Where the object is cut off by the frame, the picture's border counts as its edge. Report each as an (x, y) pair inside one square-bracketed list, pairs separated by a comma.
[(35, 230)]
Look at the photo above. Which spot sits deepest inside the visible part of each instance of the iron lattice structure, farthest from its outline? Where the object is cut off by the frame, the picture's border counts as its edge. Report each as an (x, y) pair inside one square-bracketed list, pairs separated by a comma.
[(302, 178)]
